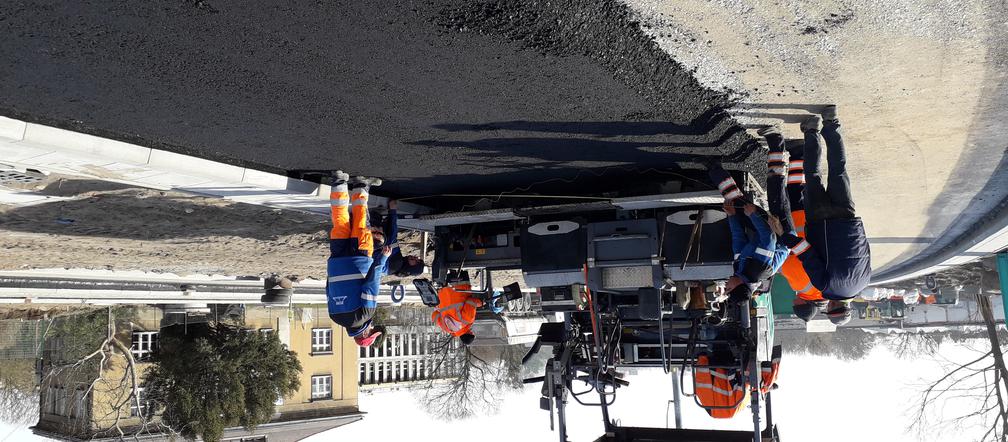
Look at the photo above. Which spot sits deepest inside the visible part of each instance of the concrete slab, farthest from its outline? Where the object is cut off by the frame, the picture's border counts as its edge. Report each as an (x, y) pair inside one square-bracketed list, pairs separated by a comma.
[(11, 129), (920, 85), (192, 166), (15, 152), (279, 182), (86, 144)]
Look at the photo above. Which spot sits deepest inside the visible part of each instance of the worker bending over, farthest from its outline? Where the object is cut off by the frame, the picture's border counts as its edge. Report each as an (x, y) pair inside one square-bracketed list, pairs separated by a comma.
[(396, 264), (722, 387), (456, 311), (353, 276), (756, 258), (834, 252), (784, 200)]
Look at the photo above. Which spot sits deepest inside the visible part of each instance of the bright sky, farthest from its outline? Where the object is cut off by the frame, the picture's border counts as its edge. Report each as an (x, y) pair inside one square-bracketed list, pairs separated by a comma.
[(873, 394)]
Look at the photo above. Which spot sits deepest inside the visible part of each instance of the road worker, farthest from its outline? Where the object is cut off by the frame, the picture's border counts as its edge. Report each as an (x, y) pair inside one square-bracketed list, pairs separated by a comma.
[(723, 388), (456, 311), (397, 264), (784, 200), (835, 252), (352, 283), (756, 258)]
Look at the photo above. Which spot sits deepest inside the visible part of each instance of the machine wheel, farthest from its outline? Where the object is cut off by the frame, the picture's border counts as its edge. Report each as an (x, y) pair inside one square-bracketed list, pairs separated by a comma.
[(931, 283)]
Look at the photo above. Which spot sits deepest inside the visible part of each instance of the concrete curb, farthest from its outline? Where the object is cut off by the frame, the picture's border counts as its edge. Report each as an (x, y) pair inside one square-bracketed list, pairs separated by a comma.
[(49, 149), (983, 239)]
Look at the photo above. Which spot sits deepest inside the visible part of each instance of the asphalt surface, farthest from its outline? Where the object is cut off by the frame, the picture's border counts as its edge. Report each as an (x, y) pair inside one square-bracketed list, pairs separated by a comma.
[(434, 96)]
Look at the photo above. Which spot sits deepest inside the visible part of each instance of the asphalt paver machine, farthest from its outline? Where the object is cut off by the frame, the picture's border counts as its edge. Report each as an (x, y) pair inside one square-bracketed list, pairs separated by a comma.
[(635, 278)]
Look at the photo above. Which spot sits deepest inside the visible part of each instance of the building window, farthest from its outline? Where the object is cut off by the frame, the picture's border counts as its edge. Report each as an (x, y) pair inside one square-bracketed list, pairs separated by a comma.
[(54, 401), (143, 344), (77, 407), (321, 340), (321, 387), (59, 401), (144, 404)]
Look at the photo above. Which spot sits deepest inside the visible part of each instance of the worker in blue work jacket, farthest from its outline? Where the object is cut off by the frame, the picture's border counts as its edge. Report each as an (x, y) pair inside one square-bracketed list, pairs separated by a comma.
[(353, 274), (835, 251), (756, 258)]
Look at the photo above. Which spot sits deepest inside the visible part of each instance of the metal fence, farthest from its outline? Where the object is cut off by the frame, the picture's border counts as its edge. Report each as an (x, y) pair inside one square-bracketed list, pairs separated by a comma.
[(21, 339)]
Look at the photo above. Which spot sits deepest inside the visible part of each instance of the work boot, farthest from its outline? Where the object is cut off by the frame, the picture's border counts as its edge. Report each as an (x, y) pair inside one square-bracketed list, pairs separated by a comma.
[(338, 177), (366, 182), (829, 113), (812, 124)]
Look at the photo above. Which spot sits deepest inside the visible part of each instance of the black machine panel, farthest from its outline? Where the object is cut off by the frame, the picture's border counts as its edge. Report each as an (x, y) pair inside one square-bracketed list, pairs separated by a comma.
[(714, 245), (547, 248)]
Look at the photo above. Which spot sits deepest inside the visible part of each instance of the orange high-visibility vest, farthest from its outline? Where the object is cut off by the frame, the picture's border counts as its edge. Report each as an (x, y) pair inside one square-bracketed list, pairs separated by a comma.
[(792, 269), (719, 387), (456, 311)]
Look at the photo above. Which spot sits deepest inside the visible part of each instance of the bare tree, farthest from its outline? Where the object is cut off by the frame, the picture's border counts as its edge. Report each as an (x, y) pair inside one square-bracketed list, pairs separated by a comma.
[(971, 395), (907, 345), (84, 355), (17, 405), (477, 378)]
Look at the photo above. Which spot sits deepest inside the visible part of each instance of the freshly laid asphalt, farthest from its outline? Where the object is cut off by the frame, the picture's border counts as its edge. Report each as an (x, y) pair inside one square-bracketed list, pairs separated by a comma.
[(434, 96)]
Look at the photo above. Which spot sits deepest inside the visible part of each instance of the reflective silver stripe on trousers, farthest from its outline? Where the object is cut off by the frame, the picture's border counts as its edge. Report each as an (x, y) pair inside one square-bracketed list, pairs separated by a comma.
[(733, 194), (349, 277), (369, 297), (806, 288), (340, 202), (726, 183), (764, 252), (801, 247)]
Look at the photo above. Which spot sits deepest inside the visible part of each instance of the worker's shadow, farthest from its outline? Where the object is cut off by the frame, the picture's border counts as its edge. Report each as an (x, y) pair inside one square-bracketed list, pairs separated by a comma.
[(557, 144)]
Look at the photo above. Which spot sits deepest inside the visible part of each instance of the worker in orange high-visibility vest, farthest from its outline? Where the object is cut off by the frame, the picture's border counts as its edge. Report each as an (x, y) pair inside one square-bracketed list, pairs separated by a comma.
[(456, 311), (723, 392), (787, 200)]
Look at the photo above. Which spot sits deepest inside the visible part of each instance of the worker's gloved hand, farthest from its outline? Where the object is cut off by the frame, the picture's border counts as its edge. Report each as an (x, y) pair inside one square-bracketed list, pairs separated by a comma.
[(498, 304)]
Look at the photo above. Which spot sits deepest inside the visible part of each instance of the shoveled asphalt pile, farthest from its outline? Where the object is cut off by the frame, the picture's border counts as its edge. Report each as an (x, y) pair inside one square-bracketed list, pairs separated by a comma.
[(435, 96)]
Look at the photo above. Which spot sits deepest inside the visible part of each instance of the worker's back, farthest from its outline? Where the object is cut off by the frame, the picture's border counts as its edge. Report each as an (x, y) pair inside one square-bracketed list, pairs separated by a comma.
[(345, 282), (456, 309)]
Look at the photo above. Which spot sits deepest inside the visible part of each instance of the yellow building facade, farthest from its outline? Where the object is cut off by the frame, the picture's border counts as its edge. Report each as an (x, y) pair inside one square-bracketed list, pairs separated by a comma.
[(83, 403)]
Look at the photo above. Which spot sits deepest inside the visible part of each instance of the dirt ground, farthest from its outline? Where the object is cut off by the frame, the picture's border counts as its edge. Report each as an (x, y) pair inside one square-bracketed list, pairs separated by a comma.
[(112, 226)]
